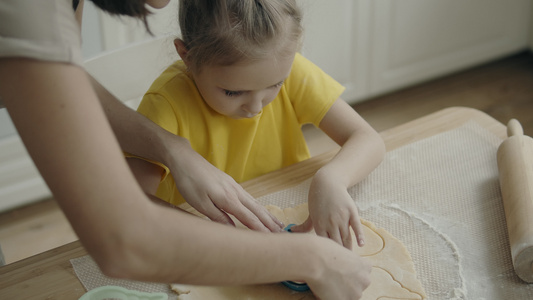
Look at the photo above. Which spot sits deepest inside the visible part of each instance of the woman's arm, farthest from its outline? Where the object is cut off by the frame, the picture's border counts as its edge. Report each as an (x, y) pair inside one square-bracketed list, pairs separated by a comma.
[(206, 188), (332, 210), (61, 122)]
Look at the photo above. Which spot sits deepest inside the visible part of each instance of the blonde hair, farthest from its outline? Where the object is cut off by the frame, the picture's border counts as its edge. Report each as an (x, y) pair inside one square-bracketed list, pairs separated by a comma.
[(226, 32)]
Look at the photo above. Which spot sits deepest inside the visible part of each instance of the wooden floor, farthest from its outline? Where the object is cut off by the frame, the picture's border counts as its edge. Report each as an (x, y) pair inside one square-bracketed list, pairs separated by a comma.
[(502, 89)]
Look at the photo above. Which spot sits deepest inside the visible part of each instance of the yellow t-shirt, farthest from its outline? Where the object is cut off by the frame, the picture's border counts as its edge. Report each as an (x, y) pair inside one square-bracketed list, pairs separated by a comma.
[(243, 148)]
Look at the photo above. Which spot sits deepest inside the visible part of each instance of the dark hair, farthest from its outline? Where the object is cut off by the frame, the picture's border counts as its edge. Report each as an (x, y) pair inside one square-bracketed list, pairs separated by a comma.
[(132, 8)]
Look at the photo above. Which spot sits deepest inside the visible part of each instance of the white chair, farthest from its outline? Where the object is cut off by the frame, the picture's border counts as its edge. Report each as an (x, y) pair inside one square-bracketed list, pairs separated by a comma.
[(128, 72)]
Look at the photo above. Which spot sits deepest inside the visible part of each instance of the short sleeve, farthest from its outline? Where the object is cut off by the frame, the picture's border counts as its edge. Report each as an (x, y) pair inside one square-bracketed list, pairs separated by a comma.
[(166, 170), (312, 92), (44, 30), (156, 108)]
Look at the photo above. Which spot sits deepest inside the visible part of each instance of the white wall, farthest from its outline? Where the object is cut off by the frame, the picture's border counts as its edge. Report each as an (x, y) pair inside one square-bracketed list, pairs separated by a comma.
[(6, 126), (121, 31), (91, 31), (531, 32)]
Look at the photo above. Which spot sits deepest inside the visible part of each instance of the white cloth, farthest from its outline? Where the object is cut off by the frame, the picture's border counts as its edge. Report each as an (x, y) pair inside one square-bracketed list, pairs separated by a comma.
[(40, 29)]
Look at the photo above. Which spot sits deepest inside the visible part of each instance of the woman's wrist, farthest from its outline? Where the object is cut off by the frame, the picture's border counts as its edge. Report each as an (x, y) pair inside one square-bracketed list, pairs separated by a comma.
[(173, 149), (308, 254)]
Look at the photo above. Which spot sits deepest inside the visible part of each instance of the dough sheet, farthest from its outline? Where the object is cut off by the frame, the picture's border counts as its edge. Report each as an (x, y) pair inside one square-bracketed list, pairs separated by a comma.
[(393, 275)]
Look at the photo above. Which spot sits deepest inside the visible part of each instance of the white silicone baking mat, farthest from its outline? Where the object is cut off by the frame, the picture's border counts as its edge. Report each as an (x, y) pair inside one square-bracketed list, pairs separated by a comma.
[(441, 197)]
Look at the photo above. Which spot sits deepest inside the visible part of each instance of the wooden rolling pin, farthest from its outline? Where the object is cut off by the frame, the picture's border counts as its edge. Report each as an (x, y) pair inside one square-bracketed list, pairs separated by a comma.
[(515, 165)]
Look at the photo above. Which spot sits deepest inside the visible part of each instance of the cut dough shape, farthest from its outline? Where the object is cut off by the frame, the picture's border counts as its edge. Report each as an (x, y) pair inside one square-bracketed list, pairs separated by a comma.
[(393, 274)]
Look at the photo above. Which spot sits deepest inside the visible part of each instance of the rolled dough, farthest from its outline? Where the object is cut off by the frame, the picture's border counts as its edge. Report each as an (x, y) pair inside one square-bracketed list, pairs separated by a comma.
[(393, 274)]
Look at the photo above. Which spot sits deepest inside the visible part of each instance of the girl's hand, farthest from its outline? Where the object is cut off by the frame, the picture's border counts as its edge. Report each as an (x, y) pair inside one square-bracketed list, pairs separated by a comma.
[(332, 212)]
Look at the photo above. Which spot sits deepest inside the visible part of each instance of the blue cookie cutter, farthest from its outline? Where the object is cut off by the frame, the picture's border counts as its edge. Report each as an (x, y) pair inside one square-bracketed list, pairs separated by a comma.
[(295, 285)]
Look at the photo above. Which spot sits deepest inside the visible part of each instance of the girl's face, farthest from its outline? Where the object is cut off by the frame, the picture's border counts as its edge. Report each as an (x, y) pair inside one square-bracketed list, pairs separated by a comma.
[(242, 90)]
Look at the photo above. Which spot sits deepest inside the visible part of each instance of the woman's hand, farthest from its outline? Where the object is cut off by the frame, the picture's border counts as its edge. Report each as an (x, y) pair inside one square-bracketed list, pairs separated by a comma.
[(332, 212), (216, 194), (345, 275)]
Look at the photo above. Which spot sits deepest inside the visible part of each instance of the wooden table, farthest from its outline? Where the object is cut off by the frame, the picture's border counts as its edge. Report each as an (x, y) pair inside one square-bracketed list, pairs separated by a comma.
[(50, 275)]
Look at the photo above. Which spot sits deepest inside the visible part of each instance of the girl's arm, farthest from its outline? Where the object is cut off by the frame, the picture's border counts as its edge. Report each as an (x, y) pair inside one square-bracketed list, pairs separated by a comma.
[(64, 128), (332, 210)]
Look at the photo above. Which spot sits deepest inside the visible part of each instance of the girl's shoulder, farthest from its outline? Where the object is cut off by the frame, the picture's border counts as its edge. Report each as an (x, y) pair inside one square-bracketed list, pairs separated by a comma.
[(173, 81), (175, 72), (303, 69), (301, 63)]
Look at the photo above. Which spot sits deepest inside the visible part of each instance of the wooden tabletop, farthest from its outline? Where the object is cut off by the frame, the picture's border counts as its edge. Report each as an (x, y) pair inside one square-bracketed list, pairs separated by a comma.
[(50, 275)]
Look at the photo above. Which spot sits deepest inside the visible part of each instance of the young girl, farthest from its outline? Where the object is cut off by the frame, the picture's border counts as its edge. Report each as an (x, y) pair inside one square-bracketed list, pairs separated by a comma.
[(241, 94)]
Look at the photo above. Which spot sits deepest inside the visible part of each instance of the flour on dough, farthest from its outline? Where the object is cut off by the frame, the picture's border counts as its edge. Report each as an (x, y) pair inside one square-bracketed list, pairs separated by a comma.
[(393, 274)]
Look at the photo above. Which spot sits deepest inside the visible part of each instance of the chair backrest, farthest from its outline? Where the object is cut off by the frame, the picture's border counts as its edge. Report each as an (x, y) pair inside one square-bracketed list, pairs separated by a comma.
[(128, 72)]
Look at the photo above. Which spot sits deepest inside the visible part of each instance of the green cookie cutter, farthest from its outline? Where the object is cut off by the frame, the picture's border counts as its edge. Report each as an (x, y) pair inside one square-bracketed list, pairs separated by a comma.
[(110, 292)]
